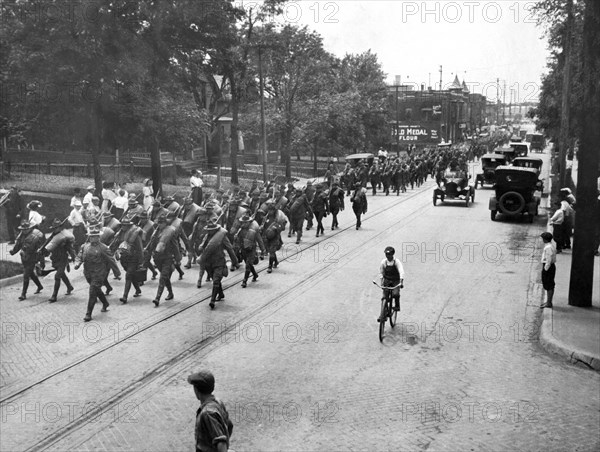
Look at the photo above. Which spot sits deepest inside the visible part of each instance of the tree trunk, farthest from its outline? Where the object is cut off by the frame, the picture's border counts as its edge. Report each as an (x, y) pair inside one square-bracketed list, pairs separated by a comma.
[(587, 220), (156, 170), (565, 102), (235, 109), (315, 168)]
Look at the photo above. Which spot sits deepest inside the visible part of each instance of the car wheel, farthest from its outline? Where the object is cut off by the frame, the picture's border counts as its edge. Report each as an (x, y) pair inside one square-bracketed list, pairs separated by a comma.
[(512, 203), (493, 215)]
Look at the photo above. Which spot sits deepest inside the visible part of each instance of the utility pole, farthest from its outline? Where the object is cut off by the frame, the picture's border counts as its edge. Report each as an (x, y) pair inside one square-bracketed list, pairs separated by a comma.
[(262, 118), (397, 128), (440, 77), (564, 110), (497, 100), (504, 103), (588, 217)]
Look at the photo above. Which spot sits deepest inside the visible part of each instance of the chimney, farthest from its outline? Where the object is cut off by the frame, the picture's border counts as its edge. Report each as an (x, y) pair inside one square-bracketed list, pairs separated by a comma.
[(398, 79), (422, 86)]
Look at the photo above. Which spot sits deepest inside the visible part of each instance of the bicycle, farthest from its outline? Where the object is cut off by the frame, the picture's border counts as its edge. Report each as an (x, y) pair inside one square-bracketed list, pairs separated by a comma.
[(387, 311)]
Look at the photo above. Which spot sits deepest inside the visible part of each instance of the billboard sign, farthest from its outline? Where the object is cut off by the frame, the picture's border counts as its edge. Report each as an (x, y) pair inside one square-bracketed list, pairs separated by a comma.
[(415, 133)]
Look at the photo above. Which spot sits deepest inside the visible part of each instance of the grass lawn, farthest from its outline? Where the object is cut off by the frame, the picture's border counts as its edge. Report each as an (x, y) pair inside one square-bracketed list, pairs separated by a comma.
[(8, 269)]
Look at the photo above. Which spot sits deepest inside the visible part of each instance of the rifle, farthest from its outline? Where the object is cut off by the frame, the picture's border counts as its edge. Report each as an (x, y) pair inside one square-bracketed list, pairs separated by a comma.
[(4, 199)]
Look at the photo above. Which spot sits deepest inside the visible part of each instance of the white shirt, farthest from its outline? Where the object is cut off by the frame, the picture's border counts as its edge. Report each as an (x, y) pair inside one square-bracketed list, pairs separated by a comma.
[(75, 217), (88, 198), (121, 202), (34, 218), (75, 199), (558, 217), (196, 182), (548, 255)]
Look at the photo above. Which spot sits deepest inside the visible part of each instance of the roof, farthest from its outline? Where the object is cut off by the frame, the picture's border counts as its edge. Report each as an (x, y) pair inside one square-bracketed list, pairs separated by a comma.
[(456, 84), (364, 155), (517, 169), (527, 159), (494, 156)]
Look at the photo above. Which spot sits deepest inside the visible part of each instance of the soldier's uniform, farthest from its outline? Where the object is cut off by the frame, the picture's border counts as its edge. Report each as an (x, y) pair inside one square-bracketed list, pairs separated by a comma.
[(133, 210), (248, 238), (189, 215), (147, 231), (336, 203), (29, 241), (275, 222), (157, 210), (310, 193), (213, 260), (61, 249), (320, 208), (359, 203), (165, 252), (130, 254), (297, 215), (97, 260)]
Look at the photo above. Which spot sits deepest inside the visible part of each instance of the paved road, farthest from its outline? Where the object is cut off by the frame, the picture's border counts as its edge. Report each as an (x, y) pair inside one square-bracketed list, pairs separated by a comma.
[(299, 365)]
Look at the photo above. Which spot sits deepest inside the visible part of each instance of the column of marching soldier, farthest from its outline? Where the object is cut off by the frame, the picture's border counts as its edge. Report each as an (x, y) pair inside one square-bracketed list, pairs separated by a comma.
[(156, 236)]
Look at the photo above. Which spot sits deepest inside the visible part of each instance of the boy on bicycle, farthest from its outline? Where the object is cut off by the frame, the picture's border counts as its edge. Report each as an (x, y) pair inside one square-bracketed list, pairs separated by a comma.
[(392, 274)]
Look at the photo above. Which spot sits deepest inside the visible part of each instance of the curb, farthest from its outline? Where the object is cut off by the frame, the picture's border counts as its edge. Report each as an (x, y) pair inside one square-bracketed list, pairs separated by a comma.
[(556, 347), (10, 281)]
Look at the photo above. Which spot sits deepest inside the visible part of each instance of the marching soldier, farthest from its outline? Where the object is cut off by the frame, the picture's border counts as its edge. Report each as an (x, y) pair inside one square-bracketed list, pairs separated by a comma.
[(175, 222), (165, 252), (212, 258), (359, 202), (111, 222), (131, 255), (28, 243), (310, 193), (298, 212), (134, 209), (189, 215), (248, 238), (60, 248), (206, 215), (157, 210), (147, 227), (275, 222), (336, 203), (97, 260), (171, 205), (320, 207)]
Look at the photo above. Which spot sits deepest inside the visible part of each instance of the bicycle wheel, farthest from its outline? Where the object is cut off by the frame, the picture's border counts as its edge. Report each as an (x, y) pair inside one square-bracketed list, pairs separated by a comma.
[(393, 314), (382, 318)]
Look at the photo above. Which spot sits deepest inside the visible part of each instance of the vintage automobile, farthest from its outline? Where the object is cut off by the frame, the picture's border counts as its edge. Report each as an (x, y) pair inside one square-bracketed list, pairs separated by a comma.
[(536, 141), (515, 192), (507, 151), (521, 149), (530, 162), (489, 162), (354, 160), (455, 186)]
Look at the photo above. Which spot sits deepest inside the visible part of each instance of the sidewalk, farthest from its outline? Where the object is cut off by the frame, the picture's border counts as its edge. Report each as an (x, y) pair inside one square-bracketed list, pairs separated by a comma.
[(569, 331)]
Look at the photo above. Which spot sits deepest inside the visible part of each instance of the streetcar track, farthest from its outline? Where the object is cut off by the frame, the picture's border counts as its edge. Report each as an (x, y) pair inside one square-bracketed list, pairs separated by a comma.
[(233, 282), (151, 375)]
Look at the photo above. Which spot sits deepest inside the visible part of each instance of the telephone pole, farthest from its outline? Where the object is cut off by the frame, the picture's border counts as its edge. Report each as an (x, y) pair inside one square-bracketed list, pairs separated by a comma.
[(564, 113)]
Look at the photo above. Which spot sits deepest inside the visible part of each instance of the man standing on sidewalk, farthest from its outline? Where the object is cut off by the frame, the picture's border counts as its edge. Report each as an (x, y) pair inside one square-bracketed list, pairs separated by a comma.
[(213, 427), (548, 268), (557, 221), (14, 208)]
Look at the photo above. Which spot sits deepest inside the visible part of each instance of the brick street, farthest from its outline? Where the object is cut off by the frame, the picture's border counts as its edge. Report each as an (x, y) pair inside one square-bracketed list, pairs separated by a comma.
[(297, 358)]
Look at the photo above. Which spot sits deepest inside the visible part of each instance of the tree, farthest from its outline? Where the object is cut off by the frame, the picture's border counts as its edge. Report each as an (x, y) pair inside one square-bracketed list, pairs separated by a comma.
[(588, 215)]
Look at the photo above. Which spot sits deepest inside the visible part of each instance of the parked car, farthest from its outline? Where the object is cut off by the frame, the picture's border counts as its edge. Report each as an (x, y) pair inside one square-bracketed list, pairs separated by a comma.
[(515, 189), (536, 141), (530, 162), (489, 163), (455, 186)]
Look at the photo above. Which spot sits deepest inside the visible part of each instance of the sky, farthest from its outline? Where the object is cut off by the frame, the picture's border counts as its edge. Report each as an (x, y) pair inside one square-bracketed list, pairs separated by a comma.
[(480, 41)]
